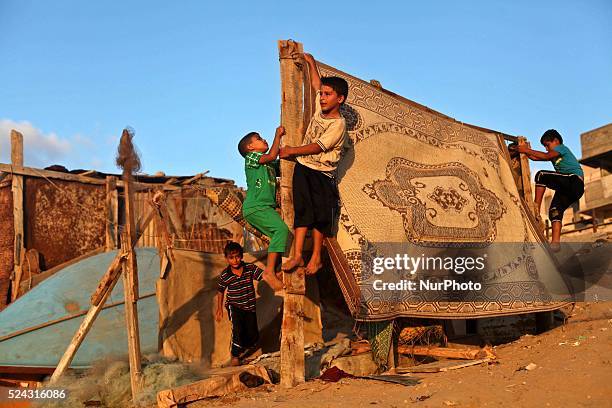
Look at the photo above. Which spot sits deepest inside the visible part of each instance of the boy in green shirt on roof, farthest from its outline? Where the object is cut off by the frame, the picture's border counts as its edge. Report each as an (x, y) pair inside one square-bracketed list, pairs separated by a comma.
[(259, 207)]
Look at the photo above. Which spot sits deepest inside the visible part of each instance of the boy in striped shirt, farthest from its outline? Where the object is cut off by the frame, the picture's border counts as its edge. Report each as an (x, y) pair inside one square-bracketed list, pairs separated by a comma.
[(236, 283)]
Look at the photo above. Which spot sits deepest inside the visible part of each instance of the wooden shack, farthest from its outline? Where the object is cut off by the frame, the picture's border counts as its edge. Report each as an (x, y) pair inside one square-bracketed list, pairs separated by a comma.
[(50, 217)]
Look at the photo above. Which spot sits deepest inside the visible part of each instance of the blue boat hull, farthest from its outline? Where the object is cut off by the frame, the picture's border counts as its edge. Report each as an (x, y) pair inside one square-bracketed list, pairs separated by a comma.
[(28, 340)]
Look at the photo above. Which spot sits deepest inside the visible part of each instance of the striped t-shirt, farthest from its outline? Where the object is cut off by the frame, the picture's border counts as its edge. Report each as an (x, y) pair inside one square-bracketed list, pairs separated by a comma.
[(240, 289)]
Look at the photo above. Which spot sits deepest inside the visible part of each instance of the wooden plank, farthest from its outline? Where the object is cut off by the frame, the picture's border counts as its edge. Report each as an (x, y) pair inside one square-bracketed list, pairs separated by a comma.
[(130, 288), (222, 382), (526, 177), (57, 175), (18, 219), (445, 352), (108, 281), (292, 102), (112, 213), (440, 366), (194, 178), (63, 319), (30, 265)]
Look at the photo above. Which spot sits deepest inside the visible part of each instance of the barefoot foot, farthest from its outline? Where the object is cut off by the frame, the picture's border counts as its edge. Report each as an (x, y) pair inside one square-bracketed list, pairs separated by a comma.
[(292, 263), (275, 283), (313, 266)]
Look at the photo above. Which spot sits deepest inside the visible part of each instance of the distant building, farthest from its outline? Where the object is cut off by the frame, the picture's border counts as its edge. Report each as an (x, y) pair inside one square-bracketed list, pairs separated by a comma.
[(597, 155)]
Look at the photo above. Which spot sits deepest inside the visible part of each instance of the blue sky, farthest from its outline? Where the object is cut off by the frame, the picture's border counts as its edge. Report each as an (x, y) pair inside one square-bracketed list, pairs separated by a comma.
[(192, 77)]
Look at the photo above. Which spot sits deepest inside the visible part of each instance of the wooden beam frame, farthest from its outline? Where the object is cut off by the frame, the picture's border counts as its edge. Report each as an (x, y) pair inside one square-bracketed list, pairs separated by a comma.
[(292, 118), (130, 287), (18, 218), (112, 213), (21, 170), (98, 299), (526, 176)]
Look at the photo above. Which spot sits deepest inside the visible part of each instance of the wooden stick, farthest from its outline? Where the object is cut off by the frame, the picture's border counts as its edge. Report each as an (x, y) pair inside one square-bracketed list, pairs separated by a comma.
[(112, 213), (292, 330), (18, 225), (130, 289), (526, 178), (108, 281), (64, 318), (433, 351), (58, 175)]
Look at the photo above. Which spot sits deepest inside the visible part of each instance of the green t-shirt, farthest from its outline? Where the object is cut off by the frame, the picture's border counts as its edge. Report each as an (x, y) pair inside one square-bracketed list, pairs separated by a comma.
[(261, 184), (566, 162)]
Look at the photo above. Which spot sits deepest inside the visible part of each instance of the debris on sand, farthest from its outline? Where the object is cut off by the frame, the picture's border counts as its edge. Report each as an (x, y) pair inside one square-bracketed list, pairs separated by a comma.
[(107, 383)]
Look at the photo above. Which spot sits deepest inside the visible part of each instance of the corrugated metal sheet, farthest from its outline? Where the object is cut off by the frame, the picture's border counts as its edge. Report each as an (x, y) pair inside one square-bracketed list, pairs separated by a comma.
[(64, 219), (7, 233)]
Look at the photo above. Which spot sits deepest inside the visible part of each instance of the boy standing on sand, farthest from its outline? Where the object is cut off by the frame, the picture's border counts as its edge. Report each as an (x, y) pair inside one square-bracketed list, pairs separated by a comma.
[(259, 207), (315, 192), (567, 180)]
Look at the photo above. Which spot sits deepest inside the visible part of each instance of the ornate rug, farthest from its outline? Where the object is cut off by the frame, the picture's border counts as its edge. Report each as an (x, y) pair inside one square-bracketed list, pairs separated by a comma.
[(419, 182)]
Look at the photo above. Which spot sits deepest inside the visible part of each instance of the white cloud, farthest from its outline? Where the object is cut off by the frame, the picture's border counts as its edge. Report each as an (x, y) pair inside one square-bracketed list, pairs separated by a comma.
[(41, 149)]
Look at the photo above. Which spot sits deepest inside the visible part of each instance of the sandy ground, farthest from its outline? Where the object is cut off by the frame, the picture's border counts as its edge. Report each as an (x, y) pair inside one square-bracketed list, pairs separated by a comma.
[(573, 369)]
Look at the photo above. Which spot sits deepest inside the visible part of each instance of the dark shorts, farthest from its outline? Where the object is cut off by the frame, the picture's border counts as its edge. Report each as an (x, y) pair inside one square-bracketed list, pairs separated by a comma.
[(315, 199), (245, 333), (568, 189)]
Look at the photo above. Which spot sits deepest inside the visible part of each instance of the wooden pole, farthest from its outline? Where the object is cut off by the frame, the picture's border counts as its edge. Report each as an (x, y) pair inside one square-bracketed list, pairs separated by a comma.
[(526, 177), (292, 102), (130, 288), (18, 220), (112, 213)]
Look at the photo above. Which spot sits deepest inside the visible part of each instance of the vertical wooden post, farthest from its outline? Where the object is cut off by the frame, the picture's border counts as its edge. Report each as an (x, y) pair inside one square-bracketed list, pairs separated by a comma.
[(130, 287), (112, 213), (526, 179), (292, 101), (18, 220), (526, 175)]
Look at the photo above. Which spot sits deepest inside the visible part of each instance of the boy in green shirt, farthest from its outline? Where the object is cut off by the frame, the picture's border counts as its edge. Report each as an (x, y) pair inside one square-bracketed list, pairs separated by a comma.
[(259, 207), (567, 180)]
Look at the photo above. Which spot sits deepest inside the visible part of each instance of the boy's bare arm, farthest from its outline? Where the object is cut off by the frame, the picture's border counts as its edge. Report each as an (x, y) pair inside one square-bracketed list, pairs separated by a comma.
[(536, 155), (288, 151), (315, 79), (219, 311), (273, 152)]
